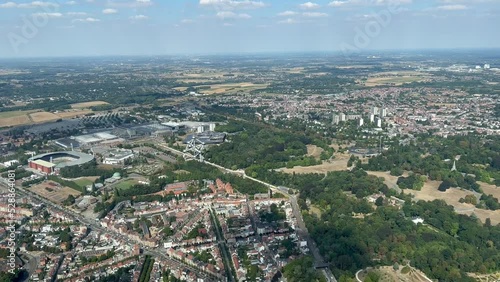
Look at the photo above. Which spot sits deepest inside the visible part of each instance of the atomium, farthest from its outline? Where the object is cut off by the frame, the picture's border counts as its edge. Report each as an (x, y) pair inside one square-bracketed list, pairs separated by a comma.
[(194, 149)]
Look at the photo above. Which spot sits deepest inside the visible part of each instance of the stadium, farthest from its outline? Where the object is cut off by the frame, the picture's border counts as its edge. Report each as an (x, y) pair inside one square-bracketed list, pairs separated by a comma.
[(52, 162)]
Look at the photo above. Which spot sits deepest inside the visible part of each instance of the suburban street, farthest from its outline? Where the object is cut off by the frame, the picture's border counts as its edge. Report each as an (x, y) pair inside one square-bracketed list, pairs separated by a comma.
[(318, 259), (94, 224)]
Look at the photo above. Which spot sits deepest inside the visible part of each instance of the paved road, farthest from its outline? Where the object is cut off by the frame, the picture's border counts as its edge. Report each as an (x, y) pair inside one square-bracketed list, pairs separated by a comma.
[(223, 248), (302, 230)]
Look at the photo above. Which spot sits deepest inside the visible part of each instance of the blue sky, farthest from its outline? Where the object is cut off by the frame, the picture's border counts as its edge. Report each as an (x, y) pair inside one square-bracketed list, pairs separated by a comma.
[(156, 27)]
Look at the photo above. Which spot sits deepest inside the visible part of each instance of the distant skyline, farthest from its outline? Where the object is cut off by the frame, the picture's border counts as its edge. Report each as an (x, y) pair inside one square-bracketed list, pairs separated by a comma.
[(154, 27)]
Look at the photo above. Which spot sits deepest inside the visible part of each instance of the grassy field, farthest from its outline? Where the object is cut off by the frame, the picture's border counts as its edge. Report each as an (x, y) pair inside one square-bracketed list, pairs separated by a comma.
[(14, 118), (15, 114), (125, 185), (84, 181), (88, 104), (339, 163)]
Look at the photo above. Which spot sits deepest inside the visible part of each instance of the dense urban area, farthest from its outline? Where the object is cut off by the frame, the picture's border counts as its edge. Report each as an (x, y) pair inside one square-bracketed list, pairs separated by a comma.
[(299, 167)]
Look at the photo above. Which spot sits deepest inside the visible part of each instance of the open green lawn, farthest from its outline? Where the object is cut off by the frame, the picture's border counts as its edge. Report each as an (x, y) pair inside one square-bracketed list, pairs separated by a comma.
[(15, 113), (83, 182), (126, 184)]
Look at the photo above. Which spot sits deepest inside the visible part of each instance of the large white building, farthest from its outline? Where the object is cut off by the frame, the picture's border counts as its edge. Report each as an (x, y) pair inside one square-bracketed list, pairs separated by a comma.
[(118, 156)]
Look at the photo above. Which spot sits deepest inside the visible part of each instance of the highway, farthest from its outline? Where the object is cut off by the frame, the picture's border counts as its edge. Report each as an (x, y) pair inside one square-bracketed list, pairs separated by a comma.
[(94, 225), (302, 230)]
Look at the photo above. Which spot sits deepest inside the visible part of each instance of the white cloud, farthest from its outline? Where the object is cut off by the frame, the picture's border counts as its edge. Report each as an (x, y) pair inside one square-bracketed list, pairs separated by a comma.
[(109, 11), (87, 20), (342, 3), (231, 15), (232, 4), (187, 21), (287, 14), (288, 21), (130, 4), (76, 14), (71, 3), (139, 17), (309, 5), (48, 15), (455, 7), (314, 15), (34, 4), (337, 3)]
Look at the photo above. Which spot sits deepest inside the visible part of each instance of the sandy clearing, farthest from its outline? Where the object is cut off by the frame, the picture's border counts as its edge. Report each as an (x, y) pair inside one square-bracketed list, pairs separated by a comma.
[(452, 196), (70, 114), (88, 104), (43, 116), (490, 189), (13, 121), (314, 151), (334, 165)]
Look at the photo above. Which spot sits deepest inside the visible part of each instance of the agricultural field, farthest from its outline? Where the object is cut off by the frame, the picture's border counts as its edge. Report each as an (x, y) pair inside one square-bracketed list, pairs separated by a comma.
[(36, 116), (43, 117), (73, 113), (388, 78), (15, 118), (230, 87), (88, 104), (53, 191)]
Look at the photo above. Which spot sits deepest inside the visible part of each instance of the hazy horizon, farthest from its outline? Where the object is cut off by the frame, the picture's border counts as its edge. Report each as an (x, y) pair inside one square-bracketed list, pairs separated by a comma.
[(88, 28)]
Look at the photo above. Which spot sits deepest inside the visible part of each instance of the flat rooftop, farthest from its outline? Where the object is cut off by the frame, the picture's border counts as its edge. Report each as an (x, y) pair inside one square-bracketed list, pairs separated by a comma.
[(43, 163)]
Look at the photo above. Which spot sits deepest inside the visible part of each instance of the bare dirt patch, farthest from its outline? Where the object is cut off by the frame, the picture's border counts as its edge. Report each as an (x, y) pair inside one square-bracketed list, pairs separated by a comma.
[(336, 164), (53, 191), (70, 114), (490, 189), (452, 196), (13, 121), (388, 274), (88, 104), (230, 87), (43, 116), (314, 151)]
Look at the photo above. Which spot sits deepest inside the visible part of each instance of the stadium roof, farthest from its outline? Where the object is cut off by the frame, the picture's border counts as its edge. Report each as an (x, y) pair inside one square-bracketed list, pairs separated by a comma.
[(79, 158)]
